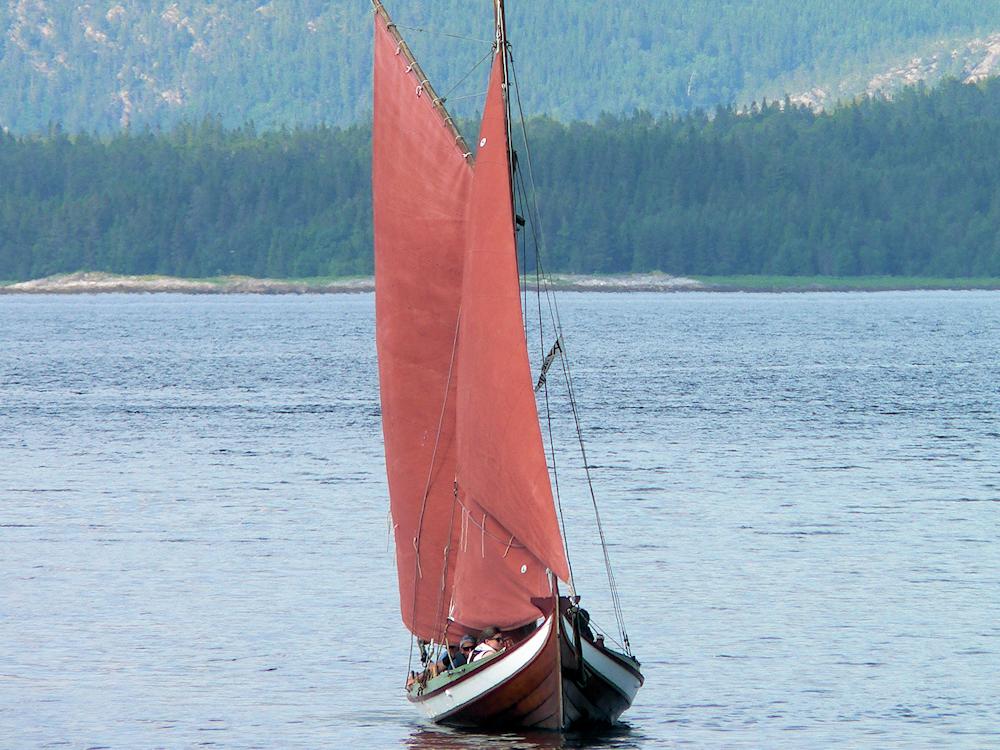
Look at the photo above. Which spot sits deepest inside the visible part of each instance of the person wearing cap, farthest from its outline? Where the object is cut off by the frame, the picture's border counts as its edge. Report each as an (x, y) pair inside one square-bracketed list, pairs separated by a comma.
[(490, 643)]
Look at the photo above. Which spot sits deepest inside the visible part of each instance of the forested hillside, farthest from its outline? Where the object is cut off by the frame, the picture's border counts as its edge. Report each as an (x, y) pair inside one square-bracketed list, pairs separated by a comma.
[(906, 187), (197, 201), (102, 64)]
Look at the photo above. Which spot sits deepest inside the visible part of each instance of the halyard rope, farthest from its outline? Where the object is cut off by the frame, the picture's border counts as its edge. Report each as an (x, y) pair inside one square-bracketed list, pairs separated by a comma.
[(557, 323)]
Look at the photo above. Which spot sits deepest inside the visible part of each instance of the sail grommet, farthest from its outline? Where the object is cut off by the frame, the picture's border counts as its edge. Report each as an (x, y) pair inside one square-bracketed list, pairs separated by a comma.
[(482, 143), (524, 569)]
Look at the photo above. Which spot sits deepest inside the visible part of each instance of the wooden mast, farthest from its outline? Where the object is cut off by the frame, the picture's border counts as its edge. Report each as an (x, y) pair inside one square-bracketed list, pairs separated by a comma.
[(501, 35), (556, 636)]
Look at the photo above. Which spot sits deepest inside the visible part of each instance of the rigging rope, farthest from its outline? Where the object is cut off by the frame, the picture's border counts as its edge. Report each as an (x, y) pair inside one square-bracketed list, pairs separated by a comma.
[(445, 33), (521, 237), (509, 541), (479, 95), (444, 567), (417, 574), (472, 70), (543, 280), (521, 196)]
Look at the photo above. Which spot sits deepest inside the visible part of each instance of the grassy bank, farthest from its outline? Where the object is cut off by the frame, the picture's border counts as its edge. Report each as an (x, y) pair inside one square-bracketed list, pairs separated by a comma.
[(842, 283)]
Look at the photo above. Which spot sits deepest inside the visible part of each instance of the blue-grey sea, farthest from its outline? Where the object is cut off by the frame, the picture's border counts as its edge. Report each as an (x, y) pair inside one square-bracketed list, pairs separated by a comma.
[(801, 493)]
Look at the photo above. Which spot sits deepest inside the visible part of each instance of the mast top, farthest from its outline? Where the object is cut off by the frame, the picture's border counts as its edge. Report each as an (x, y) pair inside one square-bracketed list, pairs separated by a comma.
[(501, 24)]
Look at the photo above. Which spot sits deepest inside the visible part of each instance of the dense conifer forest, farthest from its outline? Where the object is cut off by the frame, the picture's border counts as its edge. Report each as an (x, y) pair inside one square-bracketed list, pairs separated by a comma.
[(903, 187), (102, 64)]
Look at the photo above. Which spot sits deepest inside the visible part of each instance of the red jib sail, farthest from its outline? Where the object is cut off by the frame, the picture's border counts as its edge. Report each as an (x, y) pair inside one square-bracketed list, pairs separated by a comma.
[(475, 526), (510, 532)]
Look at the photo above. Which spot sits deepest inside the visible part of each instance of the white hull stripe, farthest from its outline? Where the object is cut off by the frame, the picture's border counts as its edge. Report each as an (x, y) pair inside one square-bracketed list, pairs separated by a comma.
[(609, 669)]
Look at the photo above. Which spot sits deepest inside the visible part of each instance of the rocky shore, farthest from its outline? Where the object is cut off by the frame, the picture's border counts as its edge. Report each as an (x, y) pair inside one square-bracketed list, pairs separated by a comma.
[(97, 283), (100, 283)]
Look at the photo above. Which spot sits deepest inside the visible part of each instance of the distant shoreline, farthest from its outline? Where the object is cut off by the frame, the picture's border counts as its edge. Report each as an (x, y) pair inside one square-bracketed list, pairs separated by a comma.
[(106, 283)]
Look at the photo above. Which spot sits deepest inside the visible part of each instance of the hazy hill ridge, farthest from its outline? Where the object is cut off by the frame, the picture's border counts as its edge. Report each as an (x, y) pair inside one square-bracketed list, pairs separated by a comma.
[(907, 187), (101, 64)]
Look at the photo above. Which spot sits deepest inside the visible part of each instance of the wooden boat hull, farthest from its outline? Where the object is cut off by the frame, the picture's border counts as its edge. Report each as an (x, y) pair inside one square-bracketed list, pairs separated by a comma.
[(601, 688), (515, 689), (539, 684)]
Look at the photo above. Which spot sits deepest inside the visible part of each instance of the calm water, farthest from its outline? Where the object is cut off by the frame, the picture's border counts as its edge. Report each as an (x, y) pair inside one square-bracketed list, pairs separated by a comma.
[(802, 494)]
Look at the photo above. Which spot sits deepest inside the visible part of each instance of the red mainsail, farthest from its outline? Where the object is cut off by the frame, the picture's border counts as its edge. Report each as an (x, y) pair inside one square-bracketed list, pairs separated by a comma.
[(421, 182), (475, 525)]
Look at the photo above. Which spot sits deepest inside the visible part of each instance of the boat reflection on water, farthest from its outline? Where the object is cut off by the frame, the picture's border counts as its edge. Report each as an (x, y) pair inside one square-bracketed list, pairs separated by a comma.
[(619, 737)]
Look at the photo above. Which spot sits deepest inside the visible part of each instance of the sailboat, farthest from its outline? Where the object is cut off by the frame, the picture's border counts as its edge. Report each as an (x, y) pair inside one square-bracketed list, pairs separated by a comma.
[(478, 541)]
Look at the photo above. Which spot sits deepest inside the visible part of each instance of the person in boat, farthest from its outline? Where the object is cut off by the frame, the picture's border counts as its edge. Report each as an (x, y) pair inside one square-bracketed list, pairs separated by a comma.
[(458, 656), (491, 641), (585, 630), (465, 647)]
